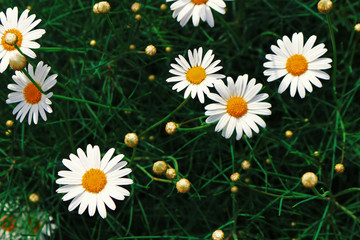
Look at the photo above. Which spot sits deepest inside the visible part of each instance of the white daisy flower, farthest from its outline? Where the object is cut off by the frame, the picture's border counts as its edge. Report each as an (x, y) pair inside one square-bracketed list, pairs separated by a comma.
[(30, 98), (238, 107), (197, 9), (299, 63), (197, 76), (92, 182), (17, 31)]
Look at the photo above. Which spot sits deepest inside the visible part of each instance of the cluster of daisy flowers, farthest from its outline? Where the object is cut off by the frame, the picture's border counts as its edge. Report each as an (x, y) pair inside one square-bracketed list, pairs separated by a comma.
[(239, 104)]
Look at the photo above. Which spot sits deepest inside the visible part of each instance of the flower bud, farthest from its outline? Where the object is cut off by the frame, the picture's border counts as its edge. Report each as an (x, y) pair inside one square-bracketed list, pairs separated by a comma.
[(357, 27), (159, 167), (309, 180), (183, 185), (316, 153), (131, 140), (171, 127), (170, 173), (151, 77), (132, 47), (8, 132), (34, 197), (163, 7), (150, 50), (168, 49), (135, 7), (268, 161), (92, 42), (324, 6), (245, 165), (288, 134), (101, 7), (339, 168), (9, 123), (218, 235), (235, 177), (17, 61), (234, 189), (137, 17)]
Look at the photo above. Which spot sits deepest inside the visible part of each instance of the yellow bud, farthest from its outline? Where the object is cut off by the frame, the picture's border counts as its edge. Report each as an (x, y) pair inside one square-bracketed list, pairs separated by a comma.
[(159, 167), (293, 224), (150, 50), (92, 43), (268, 161), (357, 27), (235, 177), (170, 173), (309, 180), (168, 49), (316, 153), (151, 77), (34, 197), (135, 7), (324, 6), (288, 134), (101, 7), (132, 47), (245, 165), (339, 168), (131, 140), (218, 235), (163, 7), (138, 17), (17, 61), (9, 123), (183, 185), (234, 189), (171, 127)]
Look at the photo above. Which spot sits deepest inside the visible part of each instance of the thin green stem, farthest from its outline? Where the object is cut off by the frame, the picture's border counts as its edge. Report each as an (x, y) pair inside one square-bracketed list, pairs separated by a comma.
[(90, 102), (151, 176), (166, 117), (332, 36), (350, 65)]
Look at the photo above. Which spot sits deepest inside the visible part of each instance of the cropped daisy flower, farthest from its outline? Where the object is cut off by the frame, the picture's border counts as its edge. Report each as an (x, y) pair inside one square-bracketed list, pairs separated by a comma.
[(238, 106), (299, 63), (31, 100), (197, 76), (14, 31), (197, 9), (92, 182)]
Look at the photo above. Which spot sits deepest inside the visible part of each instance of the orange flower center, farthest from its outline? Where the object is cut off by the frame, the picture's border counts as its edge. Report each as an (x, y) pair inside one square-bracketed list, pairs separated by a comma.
[(10, 38), (32, 95), (94, 180), (198, 2), (236, 107), (296, 64), (8, 224), (196, 75)]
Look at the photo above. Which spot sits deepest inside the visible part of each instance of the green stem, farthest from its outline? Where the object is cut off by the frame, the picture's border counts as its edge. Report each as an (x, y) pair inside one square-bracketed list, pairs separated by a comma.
[(350, 64), (150, 176), (165, 118), (332, 36), (90, 102)]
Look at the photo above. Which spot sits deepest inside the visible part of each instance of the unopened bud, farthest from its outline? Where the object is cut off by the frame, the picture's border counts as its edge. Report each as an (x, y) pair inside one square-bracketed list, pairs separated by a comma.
[(131, 140), (357, 27), (235, 177), (245, 165), (150, 50), (101, 7), (151, 77), (170, 173), (168, 49), (171, 127), (17, 61), (137, 17), (159, 167), (218, 235), (288, 134), (234, 189), (309, 180), (324, 6), (183, 185), (132, 47), (34, 197), (163, 7), (9, 123), (135, 7), (92, 43), (339, 168)]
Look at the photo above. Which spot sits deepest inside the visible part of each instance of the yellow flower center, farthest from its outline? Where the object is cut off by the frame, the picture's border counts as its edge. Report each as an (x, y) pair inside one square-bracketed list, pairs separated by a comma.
[(196, 75), (296, 64), (236, 107), (32, 95), (198, 2), (7, 224), (94, 180), (10, 38)]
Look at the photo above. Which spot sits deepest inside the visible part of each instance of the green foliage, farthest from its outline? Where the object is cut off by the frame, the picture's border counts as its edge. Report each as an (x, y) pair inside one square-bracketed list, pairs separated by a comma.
[(103, 92)]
